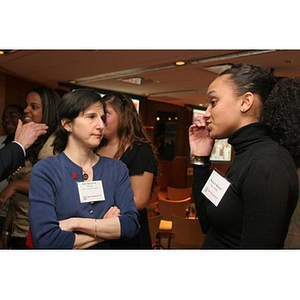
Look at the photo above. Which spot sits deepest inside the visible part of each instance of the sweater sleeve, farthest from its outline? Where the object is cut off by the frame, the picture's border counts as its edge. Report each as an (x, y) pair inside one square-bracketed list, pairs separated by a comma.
[(201, 174), (44, 225)]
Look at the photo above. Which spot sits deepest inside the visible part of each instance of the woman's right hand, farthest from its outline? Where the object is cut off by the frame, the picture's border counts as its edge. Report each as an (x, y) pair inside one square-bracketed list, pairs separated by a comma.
[(201, 143)]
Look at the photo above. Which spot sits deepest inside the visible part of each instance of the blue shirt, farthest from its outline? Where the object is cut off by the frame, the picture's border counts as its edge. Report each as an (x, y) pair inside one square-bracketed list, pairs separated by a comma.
[(54, 196)]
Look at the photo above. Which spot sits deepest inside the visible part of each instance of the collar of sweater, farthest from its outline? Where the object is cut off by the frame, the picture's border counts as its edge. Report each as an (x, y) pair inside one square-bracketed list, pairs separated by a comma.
[(247, 135)]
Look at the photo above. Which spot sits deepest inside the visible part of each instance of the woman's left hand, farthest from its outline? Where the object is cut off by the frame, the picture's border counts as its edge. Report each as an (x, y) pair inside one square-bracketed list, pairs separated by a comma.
[(113, 212)]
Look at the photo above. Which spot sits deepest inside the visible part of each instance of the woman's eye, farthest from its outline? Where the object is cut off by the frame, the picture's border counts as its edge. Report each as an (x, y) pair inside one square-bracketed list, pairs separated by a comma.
[(213, 102)]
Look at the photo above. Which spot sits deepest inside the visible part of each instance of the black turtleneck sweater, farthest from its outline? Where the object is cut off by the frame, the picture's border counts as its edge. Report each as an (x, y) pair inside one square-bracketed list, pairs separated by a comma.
[(255, 211)]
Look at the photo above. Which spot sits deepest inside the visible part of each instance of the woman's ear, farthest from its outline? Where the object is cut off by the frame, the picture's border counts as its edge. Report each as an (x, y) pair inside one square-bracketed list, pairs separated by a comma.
[(66, 124), (247, 101)]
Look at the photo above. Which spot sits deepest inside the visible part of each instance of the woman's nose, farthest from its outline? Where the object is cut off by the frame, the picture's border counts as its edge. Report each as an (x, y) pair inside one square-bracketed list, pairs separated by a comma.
[(101, 122), (207, 112)]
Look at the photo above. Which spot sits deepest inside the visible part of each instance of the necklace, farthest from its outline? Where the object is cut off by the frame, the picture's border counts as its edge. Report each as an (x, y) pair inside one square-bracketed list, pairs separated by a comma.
[(84, 172), (85, 175)]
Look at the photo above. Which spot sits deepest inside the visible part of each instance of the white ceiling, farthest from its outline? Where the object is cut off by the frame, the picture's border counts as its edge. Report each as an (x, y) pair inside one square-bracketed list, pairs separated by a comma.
[(161, 79)]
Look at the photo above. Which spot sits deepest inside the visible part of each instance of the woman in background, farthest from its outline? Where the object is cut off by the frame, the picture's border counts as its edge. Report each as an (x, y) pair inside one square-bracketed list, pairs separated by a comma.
[(282, 117), (11, 114), (126, 140), (41, 108)]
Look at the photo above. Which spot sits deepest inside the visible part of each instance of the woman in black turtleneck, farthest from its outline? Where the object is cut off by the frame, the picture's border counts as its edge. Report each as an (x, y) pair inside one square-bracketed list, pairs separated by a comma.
[(255, 210)]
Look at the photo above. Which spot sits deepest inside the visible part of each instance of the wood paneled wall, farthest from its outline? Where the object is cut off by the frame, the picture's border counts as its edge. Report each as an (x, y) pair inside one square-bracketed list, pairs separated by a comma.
[(174, 173), (13, 90)]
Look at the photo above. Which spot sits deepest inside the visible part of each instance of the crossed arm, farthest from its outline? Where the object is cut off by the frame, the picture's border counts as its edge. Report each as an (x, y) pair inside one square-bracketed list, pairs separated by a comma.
[(94, 231)]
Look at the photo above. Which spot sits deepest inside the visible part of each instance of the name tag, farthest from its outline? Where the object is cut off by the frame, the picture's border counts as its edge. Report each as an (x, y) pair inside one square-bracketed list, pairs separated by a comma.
[(90, 191), (215, 188)]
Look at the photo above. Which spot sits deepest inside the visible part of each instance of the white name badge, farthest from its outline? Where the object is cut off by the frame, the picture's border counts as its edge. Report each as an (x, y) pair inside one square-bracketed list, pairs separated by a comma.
[(90, 191), (215, 188)]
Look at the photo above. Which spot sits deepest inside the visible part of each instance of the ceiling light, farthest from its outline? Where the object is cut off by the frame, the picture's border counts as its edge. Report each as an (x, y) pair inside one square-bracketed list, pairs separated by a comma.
[(4, 52), (133, 80), (180, 63)]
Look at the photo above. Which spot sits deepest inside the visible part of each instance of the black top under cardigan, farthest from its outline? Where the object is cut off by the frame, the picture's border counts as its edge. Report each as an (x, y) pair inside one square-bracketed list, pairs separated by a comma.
[(256, 209)]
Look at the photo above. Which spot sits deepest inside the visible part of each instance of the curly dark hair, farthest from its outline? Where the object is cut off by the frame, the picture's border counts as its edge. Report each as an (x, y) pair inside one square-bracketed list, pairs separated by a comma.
[(281, 114)]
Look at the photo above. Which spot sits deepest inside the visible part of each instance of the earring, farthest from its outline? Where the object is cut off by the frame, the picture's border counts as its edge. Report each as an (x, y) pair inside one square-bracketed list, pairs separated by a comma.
[(242, 109)]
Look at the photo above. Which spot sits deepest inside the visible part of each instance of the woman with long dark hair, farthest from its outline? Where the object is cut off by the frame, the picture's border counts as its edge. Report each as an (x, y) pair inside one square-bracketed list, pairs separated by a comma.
[(40, 107)]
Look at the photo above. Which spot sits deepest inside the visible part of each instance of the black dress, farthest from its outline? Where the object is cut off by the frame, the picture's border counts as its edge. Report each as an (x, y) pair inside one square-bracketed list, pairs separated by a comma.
[(138, 159), (256, 209)]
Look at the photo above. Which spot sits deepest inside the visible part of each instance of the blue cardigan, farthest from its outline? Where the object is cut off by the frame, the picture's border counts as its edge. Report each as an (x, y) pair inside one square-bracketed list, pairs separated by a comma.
[(54, 196)]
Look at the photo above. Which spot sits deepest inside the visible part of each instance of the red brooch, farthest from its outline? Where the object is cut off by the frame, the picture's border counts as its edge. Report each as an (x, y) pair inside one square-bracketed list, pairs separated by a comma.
[(74, 175)]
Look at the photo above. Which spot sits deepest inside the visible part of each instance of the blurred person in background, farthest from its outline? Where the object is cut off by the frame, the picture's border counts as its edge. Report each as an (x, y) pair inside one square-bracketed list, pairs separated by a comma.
[(11, 114), (41, 108), (282, 118), (125, 140)]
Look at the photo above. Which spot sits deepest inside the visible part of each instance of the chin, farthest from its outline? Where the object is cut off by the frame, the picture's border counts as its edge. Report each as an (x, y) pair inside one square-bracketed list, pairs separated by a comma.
[(216, 136), (212, 135)]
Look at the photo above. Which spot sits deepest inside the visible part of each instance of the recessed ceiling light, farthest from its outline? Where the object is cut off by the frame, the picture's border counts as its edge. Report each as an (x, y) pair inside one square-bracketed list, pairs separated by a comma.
[(133, 80), (180, 63), (3, 52)]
